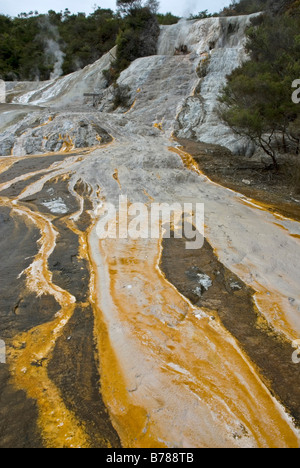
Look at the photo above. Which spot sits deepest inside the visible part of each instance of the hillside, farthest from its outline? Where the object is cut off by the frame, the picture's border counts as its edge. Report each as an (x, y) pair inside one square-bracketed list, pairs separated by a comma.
[(129, 316), (159, 86), (43, 46)]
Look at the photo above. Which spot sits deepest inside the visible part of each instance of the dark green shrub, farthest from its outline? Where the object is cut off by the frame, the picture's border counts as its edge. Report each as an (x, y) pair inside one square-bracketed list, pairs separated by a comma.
[(122, 96)]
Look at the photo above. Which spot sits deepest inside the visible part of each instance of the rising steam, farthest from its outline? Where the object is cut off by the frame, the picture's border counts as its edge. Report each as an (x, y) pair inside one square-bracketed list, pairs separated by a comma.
[(190, 7), (52, 44), (53, 50)]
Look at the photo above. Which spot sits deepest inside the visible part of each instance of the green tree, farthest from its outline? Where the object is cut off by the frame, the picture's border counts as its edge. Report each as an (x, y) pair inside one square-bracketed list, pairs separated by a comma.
[(125, 6), (167, 18), (137, 38), (24, 41), (257, 100), (202, 15), (245, 7)]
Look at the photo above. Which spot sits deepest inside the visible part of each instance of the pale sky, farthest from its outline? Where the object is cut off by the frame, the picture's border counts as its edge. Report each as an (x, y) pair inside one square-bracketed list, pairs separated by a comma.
[(177, 7)]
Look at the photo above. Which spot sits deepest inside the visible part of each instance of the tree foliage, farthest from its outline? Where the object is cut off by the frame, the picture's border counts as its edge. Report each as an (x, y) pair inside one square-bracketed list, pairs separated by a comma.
[(81, 38), (137, 38), (247, 7), (86, 39), (203, 15), (21, 49), (258, 97), (167, 18), (244, 7)]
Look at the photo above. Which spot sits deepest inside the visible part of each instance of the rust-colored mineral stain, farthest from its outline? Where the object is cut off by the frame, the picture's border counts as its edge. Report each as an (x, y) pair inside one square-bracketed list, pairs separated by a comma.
[(6, 163), (266, 207), (116, 177), (30, 351), (131, 107), (151, 199), (274, 311), (191, 164), (159, 126), (170, 375), (187, 159), (50, 119), (67, 145), (28, 357), (270, 303)]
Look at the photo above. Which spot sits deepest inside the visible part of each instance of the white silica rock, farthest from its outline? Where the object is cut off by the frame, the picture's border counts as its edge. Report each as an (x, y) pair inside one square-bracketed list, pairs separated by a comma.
[(220, 43), (168, 92), (205, 281), (2, 91)]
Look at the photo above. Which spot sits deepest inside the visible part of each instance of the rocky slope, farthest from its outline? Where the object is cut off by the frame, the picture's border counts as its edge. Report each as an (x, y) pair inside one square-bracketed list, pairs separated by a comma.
[(215, 46), (175, 369)]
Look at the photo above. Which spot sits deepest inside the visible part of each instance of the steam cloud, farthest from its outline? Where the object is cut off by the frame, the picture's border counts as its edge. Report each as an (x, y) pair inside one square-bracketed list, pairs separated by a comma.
[(53, 50), (51, 39), (190, 7)]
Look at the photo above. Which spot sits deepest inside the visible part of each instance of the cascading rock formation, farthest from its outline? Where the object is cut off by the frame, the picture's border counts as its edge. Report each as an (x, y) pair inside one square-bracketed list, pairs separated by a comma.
[(102, 349)]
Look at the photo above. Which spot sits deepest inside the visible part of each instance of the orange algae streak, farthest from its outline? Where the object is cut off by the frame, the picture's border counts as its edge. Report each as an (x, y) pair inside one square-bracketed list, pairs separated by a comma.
[(116, 177), (151, 199), (267, 207), (190, 163), (187, 160), (29, 356), (170, 375), (31, 351), (274, 310), (159, 126), (6, 162), (68, 144), (269, 302), (51, 118), (132, 107)]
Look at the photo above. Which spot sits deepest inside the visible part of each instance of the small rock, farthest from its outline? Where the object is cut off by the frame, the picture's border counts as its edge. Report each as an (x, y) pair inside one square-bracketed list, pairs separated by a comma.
[(198, 291), (200, 278), (246, 182), (205, 281), (235, 286)]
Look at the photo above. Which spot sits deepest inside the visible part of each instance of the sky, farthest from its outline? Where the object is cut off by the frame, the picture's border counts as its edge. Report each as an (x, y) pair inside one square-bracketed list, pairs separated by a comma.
[(177, 7)]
